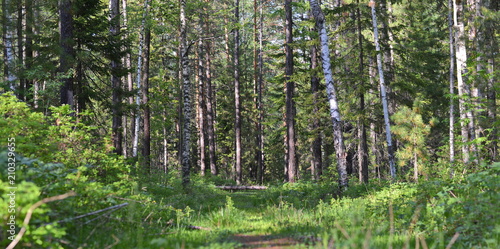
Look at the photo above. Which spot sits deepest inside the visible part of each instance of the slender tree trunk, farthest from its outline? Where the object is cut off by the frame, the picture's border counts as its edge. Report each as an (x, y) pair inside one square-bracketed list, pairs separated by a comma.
[(29, 48), (492, 53), (201, 111), (362, 143), (146, 140), (386, 40), (128, 126), (452, 85), (260, 161), (140, 78), (8, 44), (116, 83), (332, 95), (67, 51), (290, 90), (237, 103), (186, 98), (209, 100), (20, 51), (316, 159), (463, 88), (255, 168), (383, 93)]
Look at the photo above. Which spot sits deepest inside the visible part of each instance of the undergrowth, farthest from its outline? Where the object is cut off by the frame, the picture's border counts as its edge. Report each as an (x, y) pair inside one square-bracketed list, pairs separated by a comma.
[(118, 207)]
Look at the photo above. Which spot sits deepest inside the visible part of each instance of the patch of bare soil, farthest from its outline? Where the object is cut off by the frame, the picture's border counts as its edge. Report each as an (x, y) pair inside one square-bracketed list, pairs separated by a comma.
[(264, 241)]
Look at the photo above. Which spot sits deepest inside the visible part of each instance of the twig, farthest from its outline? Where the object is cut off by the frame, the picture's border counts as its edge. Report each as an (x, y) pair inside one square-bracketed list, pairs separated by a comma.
[(114, 244), (452, 241), (30, 212), (95, 212)]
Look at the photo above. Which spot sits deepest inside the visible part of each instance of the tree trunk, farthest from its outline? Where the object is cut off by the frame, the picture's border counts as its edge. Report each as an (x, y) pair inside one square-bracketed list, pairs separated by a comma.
[(20, 51), (29, 48), (67, 51), (463, 88), (201, 110), (186, 98), (237, 103), (452, 85), (316, 159), (260, 133), (289, 101), (362, 143), (8, 44), (209, 100), (383, 93), (115, 77), (492, 43), (332, 95), (146, 140), (128, 126)]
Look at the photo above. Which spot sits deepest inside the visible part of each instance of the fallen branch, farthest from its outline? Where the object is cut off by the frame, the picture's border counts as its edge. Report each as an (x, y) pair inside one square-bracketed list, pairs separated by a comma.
[(30, 212), (241, 187), (95, 212)]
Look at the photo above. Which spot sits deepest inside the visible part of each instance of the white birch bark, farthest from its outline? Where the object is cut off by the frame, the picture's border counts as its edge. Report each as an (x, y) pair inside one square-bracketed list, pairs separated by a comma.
[(452, 84), (135, 141), (331, 94), (383, 93), (463, 89), (186, 98)]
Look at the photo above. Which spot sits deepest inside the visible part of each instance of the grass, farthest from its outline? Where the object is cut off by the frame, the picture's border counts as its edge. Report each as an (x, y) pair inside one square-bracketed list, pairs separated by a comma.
[(433, 214)]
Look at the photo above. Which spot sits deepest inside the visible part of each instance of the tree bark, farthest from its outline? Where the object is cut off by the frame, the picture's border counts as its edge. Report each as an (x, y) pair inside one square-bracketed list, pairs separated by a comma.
[(289, 101), (316, 159), (186, 98), (146, 139), (115, 77), (332, 95), (8, 44), (362, 139), (451, 85), (201, 110), (383, 93), (67, 51), (463, 88), (237, 100), (29, 48), (209, 101)]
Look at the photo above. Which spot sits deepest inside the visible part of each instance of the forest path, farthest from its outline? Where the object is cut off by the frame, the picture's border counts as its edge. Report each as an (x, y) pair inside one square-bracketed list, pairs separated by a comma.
[(260, 234)]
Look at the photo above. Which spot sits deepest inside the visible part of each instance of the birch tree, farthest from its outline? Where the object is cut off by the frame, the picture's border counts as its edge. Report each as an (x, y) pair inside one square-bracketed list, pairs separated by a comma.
[(8, 44), (186, 97), (451, 83), (383, 93), (331, 94), (463, 88)]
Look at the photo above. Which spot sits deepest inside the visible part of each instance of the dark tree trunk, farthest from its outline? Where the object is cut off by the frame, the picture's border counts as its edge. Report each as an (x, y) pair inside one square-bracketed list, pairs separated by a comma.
[(237, 100), (115, 78), (146, 142), (29, 48), (316, 160), (362, 143), (289, 101), (67, 51)]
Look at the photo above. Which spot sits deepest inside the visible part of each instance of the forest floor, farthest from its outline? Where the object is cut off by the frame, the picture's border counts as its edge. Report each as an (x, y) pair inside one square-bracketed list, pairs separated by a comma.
[(255, 237)]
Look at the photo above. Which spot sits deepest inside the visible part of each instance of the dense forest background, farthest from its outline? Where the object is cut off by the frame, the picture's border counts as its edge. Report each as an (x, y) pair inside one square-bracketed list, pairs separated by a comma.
[(143, 100)]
